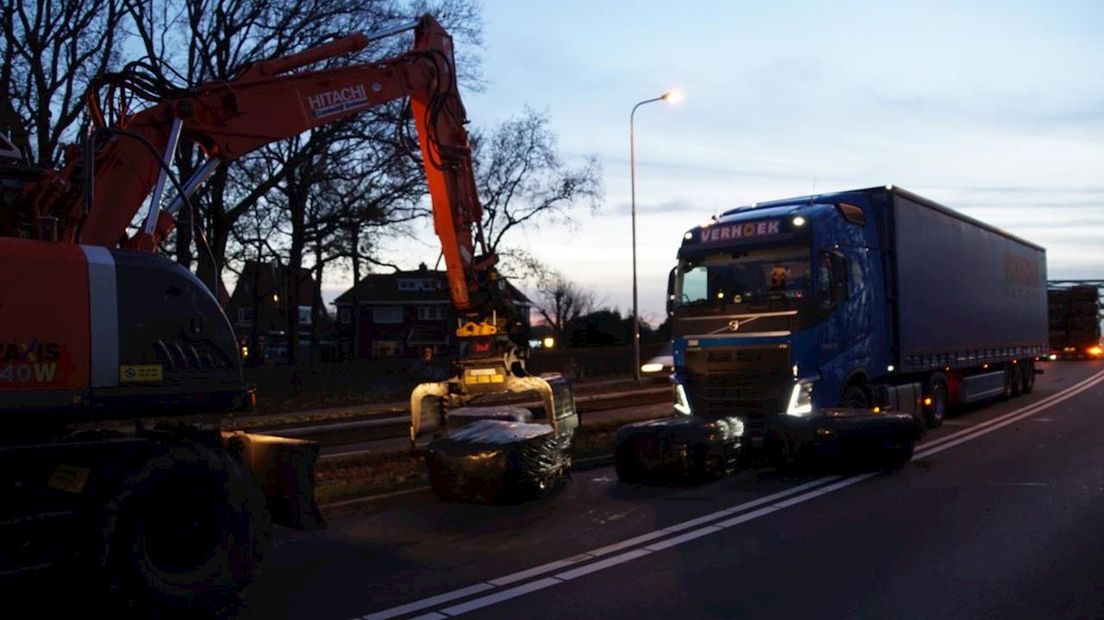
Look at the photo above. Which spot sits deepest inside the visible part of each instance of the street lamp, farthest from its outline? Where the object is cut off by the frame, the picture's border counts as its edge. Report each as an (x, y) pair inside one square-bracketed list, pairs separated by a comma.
[(672, 96)]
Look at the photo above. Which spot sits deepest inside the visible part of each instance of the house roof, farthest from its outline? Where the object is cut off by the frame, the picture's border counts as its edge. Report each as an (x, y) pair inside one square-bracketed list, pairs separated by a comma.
[(385, 288), (260, 281)]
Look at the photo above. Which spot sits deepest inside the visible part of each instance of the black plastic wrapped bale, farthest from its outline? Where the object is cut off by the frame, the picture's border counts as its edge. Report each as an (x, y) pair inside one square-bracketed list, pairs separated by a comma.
[(850, 437), (680, 448), (498, 461)]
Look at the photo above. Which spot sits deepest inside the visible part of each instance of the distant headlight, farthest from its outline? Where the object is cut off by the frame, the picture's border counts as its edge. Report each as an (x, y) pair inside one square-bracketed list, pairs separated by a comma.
[(651, 367)]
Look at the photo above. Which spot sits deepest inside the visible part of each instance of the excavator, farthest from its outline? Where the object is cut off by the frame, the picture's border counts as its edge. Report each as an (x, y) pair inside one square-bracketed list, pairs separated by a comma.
[(119, 368)]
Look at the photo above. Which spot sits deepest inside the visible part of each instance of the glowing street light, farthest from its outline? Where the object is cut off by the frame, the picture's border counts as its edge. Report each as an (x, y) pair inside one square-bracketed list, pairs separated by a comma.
[(672, 96)]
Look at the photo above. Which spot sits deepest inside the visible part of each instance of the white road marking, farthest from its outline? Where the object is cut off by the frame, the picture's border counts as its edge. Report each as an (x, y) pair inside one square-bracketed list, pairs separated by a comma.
[(776, 502), (432, 601), (602, 564), (498, 597)]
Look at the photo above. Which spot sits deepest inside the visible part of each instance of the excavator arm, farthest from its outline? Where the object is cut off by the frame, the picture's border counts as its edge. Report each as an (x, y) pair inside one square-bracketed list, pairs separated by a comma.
[(101, 189), (267, 102)]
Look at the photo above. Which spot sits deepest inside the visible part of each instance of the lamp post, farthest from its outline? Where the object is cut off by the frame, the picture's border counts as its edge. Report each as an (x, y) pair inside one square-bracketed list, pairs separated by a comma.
[(672, 97)]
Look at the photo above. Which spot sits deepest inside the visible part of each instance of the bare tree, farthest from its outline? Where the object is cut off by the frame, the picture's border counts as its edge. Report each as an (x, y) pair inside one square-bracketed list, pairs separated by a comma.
[(559, 301), (51, 51), (522, 178)]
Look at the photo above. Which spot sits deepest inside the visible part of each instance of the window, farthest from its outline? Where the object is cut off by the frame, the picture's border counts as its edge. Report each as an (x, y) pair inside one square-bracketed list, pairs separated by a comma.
[(750, 276), (305, 315), (385, 348), (832, 279), (387, 314), (431, 313), (419, 285), (344, 315)]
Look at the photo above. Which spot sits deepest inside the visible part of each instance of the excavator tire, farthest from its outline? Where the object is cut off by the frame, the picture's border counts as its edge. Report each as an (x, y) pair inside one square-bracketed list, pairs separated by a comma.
[(184, 534)]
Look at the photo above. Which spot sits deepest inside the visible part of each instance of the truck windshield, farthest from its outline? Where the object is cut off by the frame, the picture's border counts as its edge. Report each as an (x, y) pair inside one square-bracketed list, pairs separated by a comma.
[(744, 276)]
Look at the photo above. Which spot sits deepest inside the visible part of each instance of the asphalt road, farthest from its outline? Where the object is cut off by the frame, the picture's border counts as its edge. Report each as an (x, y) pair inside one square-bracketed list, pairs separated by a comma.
[(998, 515)]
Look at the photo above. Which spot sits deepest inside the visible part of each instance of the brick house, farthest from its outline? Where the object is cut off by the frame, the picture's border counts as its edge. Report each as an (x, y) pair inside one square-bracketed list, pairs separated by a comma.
[(258, 312), (400, 314)]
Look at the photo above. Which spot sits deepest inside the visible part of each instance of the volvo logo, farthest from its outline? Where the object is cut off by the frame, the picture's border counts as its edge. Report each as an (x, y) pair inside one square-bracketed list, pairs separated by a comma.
[(734, 325)]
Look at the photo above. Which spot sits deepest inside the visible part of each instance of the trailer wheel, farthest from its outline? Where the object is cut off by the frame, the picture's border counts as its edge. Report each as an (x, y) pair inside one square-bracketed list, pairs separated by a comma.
[(1028, 376), (1017, 380), (937, 392), (184, 533), (1010, 381)]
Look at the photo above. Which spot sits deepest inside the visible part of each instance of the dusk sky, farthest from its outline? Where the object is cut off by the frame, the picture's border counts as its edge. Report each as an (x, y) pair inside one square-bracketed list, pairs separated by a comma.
[(996, 110)]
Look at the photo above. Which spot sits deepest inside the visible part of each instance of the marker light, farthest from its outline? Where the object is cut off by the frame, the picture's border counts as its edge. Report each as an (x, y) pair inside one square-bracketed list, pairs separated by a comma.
[(890, 368), (688, 236), (927, 401), (877, 410), (799, 221)]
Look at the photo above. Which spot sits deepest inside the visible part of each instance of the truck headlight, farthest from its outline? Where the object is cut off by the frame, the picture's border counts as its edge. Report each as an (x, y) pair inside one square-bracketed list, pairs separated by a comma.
[(801, 399), (682, 404)]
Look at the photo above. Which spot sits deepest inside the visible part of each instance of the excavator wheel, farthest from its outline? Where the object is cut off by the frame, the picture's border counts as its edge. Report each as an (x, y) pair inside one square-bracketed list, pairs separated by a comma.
[(184, 533)]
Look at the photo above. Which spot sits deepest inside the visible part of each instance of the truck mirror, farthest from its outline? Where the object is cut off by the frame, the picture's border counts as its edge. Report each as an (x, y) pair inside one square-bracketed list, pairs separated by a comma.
[(671, 291)]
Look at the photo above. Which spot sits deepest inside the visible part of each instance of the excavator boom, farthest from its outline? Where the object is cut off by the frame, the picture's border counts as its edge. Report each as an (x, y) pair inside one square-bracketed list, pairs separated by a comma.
[(267, 102)]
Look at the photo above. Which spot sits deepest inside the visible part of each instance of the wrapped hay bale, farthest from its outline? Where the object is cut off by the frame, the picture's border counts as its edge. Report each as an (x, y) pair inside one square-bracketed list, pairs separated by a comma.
[(684, 447), (499, 461)]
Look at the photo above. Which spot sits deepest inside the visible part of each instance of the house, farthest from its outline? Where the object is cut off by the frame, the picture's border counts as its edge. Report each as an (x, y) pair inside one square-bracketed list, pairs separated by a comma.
[(258, 312), (401, 314)]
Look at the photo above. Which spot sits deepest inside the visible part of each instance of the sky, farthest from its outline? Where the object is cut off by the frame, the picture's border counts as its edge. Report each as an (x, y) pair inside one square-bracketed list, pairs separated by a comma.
[(995, 109)]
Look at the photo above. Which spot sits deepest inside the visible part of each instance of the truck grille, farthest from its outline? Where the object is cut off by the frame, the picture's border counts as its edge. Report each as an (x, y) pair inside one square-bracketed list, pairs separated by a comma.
[(748, 382)]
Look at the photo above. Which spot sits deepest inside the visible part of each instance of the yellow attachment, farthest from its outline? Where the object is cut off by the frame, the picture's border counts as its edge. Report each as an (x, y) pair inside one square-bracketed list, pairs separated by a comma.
[(470, 329), (476, 376)]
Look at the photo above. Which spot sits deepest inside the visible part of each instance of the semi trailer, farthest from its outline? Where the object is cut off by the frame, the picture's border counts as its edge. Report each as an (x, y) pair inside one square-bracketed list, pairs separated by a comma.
[(873, 299)]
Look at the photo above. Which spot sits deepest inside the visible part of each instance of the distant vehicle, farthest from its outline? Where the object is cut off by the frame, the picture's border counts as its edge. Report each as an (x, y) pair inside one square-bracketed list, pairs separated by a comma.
[(662, 365), (863, 299), (1075, 312)]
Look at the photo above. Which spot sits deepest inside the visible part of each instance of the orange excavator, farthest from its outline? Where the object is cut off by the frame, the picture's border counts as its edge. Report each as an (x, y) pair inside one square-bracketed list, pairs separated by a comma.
[(99, 334)]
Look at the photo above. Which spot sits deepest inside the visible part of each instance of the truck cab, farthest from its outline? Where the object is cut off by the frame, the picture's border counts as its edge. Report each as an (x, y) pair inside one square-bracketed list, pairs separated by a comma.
[(772, 299)]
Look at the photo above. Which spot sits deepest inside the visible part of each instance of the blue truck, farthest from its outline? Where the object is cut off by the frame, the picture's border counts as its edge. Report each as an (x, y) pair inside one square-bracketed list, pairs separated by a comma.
[(873, 299)]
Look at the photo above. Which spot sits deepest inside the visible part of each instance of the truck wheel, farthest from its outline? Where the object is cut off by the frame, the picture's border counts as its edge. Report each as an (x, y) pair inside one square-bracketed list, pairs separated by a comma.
[(937, 392), (855, 397), (185, 532)]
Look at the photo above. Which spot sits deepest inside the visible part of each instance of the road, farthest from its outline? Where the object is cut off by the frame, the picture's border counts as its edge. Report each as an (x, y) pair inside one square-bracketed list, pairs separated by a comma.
[(998, 515)]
